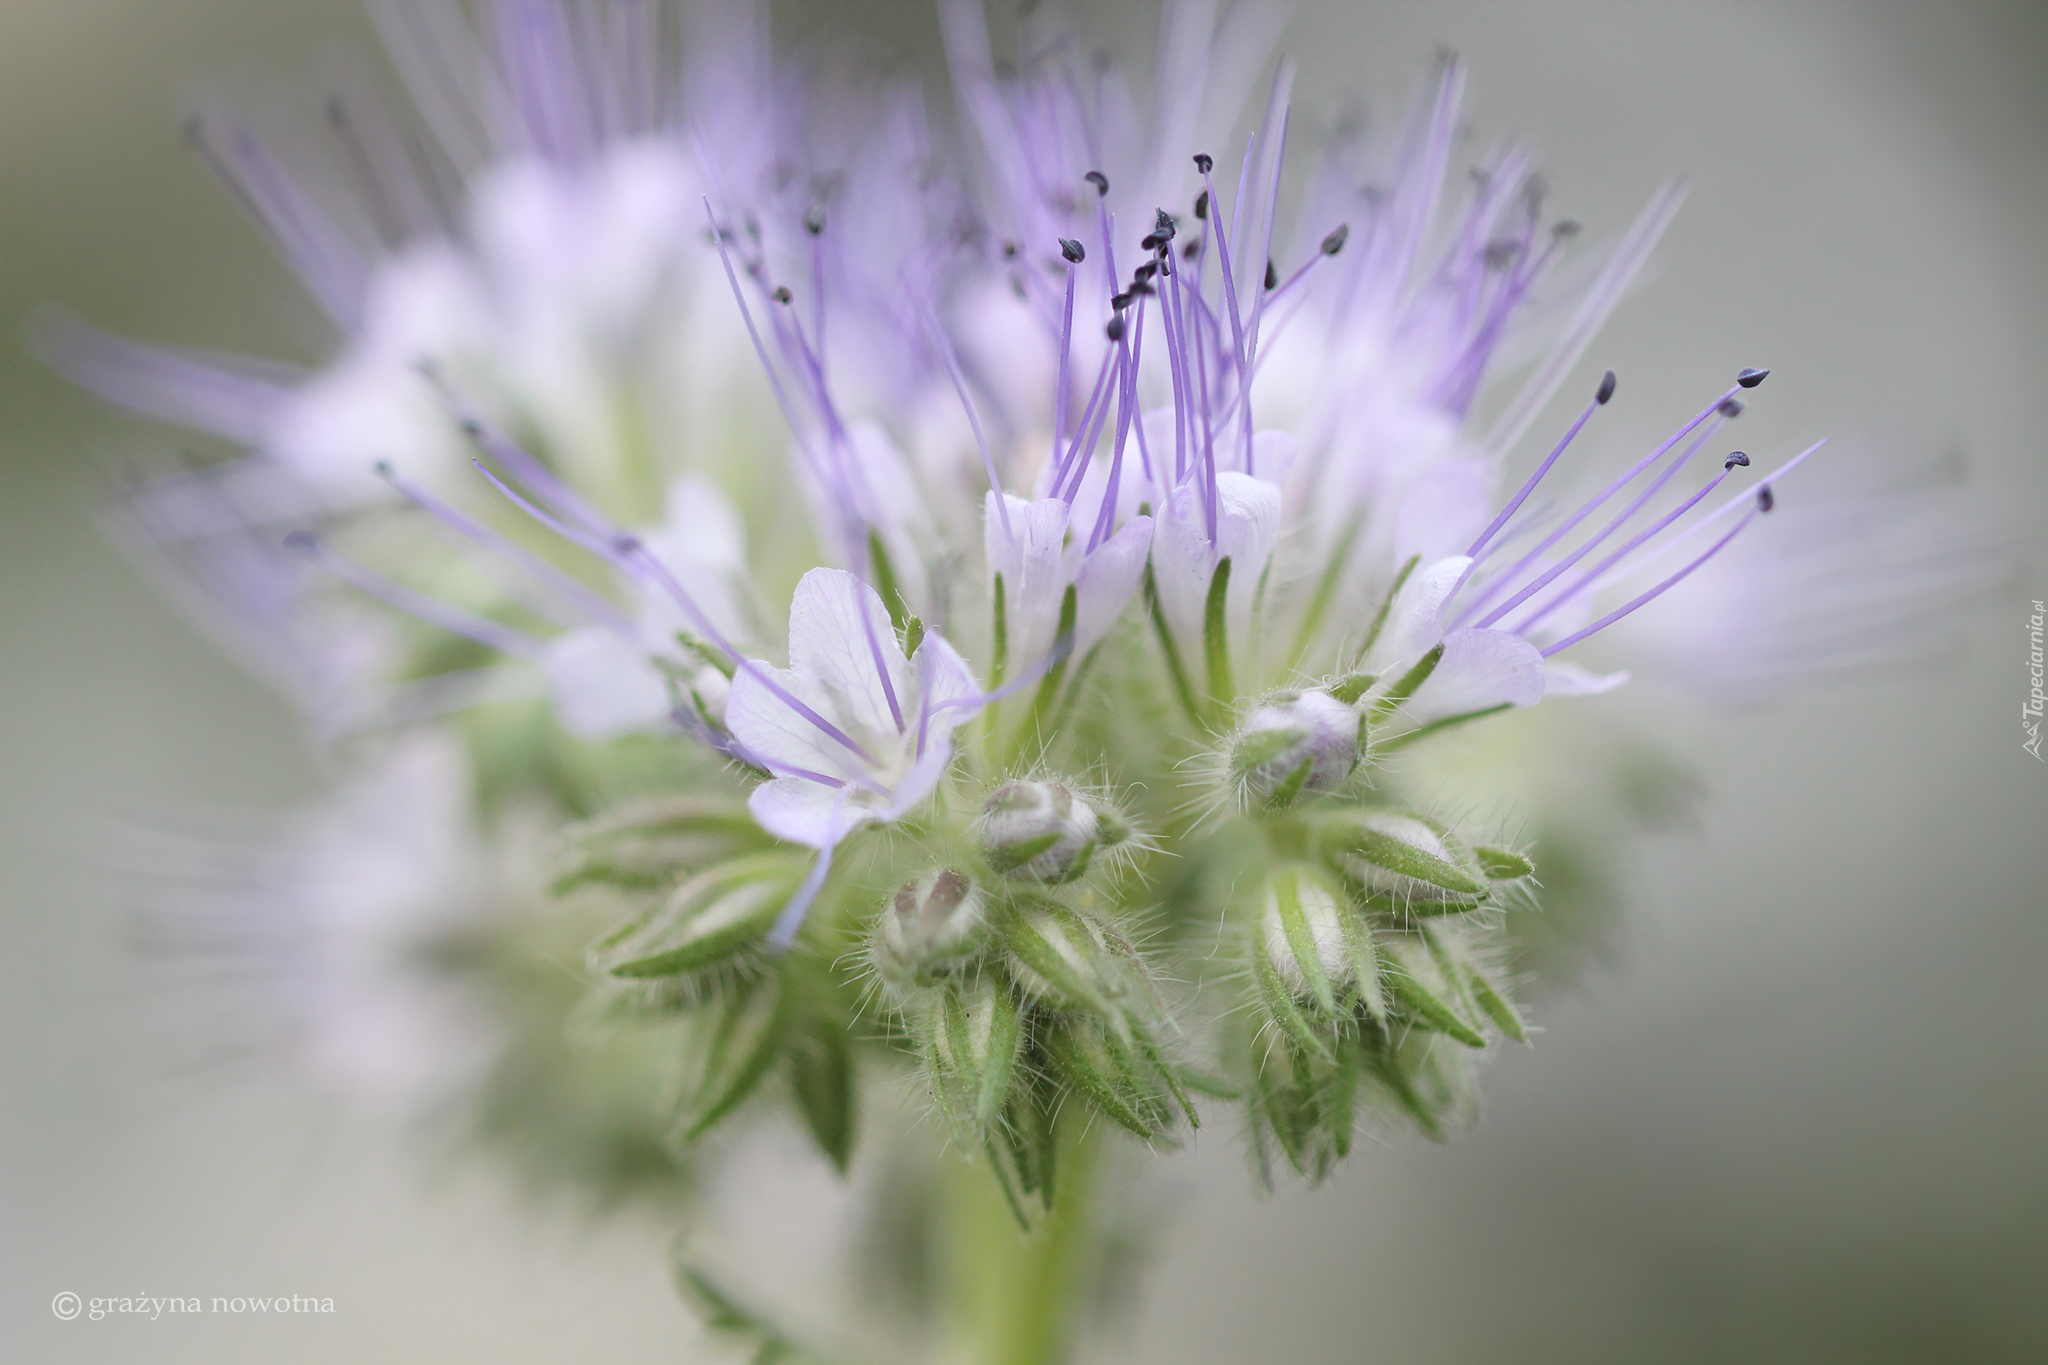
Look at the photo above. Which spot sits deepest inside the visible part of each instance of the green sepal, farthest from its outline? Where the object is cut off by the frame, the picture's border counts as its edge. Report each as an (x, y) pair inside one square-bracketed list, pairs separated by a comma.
[(1097, 1066), (1365, 965), (1497, 1006), (1405, 686), (1075, 985), (1502, 865), (1301, 939), (1010, 857), (1349, 688), (749, 1033), (885, 584), (1416, 983), (1354, 839), (704, 922), (1383, 1062), (1261, 747), (1216, 635), (1280, 1004), (821, 1073)]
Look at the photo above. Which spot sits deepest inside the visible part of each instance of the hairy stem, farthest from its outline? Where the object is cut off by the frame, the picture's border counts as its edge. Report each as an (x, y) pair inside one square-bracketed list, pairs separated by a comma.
[(1012, 1292)]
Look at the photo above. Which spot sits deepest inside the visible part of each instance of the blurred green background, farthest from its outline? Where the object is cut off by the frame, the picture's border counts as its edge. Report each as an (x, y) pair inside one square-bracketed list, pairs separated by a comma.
[(1799, 1111)]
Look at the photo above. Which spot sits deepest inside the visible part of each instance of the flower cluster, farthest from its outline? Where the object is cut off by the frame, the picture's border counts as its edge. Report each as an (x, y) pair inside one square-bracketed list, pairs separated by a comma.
[(1125, 521)]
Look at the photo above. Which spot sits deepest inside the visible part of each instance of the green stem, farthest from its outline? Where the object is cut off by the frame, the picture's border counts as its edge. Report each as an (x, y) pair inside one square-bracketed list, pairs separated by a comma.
[(1012, 1293)]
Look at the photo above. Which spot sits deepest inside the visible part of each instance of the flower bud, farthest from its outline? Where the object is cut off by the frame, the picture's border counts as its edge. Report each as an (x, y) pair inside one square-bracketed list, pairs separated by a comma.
[(973, 1037), (1042, 832), (1401, 861), (932, 925), (708, 920), (1296, 744), (1069, 961), (1312, 958)]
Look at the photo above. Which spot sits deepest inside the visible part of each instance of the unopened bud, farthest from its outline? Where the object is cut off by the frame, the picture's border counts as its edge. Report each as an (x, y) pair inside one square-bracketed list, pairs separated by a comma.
[(1403, 860), (1315, 940), (708, 920), (974, 1034), (1038, 831), (1069, 961), (1296, 744), (931, 926)]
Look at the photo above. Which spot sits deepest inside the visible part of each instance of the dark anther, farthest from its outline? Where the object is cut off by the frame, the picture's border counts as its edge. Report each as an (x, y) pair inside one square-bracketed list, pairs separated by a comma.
[(1334, 243), (1565, 229), (1606, 390), (1500, 252), (1272, 275), (1144, 272), (1735, 457), (782, 294), (383, 468), (626, 545), (1140, 287), (1204, 162), (1730, 407), (1010, 250), (1192, 248), (1749, 379), (1765, 500), (1119, 301), (814, 219), (1202, 206), (300, 540), (1073, 251), (472, 428), (1163, 224), (1115, 330), (1099, 181), (1152, 241)]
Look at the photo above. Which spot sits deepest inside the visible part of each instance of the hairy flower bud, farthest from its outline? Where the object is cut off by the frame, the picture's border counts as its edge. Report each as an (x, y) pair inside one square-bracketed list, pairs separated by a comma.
[(1305, 928), (931, 926), (1040, 831), (1296, 744), (1069, 960), (1402, 862), (708, 920), (973, 1036)]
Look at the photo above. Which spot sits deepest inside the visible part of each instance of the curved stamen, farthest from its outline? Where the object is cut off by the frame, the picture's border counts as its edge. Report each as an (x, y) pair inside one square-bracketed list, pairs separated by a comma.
[(1611, 617), (491, 634)]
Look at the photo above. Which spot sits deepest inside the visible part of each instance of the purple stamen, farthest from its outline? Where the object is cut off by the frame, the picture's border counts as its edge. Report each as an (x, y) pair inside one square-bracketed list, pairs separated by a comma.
[(561, 583), (792, 917), (1635, 541), (988, 458), (1586, 510), (867, 625), (1723, 510), (491, 634), (1614, 523), (1611, 617)]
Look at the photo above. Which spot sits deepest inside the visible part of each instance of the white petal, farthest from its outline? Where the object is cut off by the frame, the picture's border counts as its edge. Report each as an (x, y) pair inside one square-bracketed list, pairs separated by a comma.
[(603, 686), (1479, 668), (944, 677), (1415, 622), (1570, 680), (777, 734), (1106, 581), (1184, 560), (840, 636), (806, 812), (1031, 558)]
